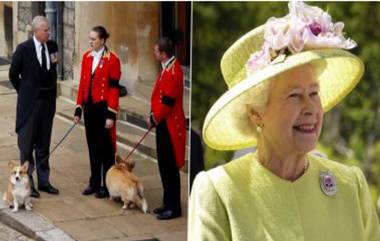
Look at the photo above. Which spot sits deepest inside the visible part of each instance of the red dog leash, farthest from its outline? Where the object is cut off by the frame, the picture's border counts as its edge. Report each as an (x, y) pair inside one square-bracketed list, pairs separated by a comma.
[(138, 143)]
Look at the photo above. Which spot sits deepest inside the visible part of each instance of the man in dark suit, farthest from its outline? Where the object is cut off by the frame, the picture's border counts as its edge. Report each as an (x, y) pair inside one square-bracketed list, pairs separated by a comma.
[(34, 76)]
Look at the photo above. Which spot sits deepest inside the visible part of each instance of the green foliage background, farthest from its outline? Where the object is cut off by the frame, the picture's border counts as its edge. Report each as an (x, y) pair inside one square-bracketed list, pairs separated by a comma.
[(351, 130)]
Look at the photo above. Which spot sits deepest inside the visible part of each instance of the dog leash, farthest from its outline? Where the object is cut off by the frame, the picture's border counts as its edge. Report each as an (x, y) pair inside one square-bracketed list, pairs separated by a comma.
[(58, 144), (138, 143), (63, 138)]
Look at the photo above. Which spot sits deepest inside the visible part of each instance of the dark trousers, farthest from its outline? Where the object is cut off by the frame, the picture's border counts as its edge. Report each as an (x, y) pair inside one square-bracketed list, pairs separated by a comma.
[(34, 140), (99, 142), (196, 162), (169, 171)]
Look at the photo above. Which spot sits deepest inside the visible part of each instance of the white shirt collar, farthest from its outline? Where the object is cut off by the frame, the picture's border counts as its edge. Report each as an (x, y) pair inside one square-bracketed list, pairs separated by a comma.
[(36, 42), (38, 46), (165, 64), (97, 53), (96, 58)]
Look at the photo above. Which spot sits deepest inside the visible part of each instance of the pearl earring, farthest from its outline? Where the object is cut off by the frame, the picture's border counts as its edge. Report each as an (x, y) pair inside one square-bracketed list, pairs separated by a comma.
[(259, 129)]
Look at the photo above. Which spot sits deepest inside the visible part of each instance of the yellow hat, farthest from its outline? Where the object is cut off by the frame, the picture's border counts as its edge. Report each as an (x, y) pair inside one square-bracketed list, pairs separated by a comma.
[(337, 71)]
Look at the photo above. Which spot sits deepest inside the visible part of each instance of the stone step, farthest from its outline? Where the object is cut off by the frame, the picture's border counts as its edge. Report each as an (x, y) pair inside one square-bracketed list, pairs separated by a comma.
[(5, 61), (5, 68), (128, 133), (133, 109), (143, 89)]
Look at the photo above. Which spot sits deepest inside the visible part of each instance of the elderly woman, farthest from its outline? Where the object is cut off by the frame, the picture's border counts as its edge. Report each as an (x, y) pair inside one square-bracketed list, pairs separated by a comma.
[(98, 97), (276, 99)]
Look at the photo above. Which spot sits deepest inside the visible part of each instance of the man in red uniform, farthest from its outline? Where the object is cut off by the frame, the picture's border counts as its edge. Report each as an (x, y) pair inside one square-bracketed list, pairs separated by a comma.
[(168, 117)]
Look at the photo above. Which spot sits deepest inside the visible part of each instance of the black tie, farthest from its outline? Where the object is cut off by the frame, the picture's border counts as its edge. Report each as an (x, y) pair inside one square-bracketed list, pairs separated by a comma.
[(43, 57)]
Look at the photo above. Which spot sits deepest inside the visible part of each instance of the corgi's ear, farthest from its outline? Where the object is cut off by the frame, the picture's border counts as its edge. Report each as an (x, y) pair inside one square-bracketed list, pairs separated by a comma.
[(11, 165), (25, 166), (131, 165), (119, 160)]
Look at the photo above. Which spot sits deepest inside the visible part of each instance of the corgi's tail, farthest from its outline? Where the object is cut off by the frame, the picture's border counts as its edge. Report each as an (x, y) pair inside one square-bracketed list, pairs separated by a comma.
[(139, 198), (144, 205), (140, 190), (141, 203)]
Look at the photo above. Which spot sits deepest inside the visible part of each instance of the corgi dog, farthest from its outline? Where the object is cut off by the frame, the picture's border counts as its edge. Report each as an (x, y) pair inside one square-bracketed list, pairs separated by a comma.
[(122, 183), (18, 191)]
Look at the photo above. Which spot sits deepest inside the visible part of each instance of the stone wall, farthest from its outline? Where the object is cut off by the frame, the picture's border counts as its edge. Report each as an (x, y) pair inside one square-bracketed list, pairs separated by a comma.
[(23, 23), (2, 35), (68, 39), (134, 28), (24, 16)]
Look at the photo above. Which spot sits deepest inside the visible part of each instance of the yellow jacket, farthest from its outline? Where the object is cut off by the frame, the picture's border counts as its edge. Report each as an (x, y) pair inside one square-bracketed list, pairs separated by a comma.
[(242, 200)]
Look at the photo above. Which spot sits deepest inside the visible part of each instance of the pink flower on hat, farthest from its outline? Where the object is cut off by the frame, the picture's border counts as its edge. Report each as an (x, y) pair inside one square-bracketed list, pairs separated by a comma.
[(277, 33), (315, 28), (304, 28), (259, 60)]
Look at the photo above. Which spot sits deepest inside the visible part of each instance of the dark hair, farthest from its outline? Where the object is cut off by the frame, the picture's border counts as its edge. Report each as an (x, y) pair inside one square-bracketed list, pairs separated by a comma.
[(102, 32), (166, 45)]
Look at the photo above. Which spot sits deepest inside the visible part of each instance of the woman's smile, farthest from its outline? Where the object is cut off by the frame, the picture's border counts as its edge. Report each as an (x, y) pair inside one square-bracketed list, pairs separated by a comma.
[(306, 128)]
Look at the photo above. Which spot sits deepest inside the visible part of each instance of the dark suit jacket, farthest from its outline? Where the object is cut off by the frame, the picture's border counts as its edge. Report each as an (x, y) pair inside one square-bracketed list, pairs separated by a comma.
[(25, 75)]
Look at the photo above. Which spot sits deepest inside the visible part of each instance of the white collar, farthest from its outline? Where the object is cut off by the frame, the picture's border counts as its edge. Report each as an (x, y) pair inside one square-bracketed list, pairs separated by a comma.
[(97, 53), (165, 64), (36, 42)]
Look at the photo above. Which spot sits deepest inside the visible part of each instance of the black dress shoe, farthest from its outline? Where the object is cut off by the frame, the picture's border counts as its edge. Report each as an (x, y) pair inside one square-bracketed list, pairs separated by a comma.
[(102, 193), (49, 189), (159, 209), (34, 193), (90, 190), (168, 214)]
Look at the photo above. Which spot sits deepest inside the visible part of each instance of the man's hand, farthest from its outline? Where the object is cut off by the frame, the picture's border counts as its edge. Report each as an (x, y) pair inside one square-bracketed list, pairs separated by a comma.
[(109, 123)]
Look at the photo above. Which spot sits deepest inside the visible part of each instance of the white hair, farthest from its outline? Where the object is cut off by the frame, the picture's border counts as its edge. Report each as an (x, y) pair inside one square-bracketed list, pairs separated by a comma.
[(37, 20), (255, 100)]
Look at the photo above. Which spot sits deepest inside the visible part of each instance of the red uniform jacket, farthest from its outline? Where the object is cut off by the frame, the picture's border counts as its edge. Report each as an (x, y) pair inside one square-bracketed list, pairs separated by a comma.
[(167, 104), (105, 83)]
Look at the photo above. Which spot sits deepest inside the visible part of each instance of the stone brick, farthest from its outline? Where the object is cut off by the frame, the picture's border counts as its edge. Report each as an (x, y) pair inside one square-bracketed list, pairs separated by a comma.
[(90, 229), (53, 235), (70, 5)]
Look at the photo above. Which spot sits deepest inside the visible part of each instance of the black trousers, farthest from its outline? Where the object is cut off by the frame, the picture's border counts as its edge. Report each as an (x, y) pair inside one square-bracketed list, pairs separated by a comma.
[(196, 162), (99, 142), (169, 171), (34, 140)]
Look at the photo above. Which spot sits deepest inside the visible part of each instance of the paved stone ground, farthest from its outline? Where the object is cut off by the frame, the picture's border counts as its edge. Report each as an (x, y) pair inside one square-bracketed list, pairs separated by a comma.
[(8, 234), (87, 218)]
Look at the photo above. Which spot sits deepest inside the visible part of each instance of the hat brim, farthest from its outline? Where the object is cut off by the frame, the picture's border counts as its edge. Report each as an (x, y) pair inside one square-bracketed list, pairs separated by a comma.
[(338, 71)]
